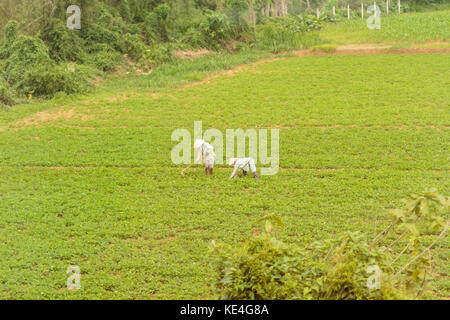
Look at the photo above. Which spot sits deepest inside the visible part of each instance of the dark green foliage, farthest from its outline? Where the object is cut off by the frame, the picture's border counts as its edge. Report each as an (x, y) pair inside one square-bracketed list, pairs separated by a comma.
[(263, 268), (48, 79), (156, 23), (292, 32), (212, 31), (134, 46), (236, 5), (105, 17), (269, 269), (216, 28), (155, 55), (125, 11), (29, 68), (338, 269), (24, 53), (105, 60), (100, 34), (236, 10), (63, 44), (347, 274), (11, 33), (6, 97)]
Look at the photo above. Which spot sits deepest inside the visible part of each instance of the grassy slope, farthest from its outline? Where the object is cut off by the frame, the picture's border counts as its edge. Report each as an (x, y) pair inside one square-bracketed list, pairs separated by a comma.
[(169, 75), (94, 185), (404, 28)]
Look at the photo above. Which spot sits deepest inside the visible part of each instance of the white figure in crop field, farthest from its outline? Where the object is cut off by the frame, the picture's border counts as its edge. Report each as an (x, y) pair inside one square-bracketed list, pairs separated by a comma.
[(206, 153), (244, 164)]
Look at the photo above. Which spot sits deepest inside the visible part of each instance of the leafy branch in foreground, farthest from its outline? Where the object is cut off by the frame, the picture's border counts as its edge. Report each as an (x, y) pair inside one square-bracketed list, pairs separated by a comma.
[(267, 268), (421, 218)]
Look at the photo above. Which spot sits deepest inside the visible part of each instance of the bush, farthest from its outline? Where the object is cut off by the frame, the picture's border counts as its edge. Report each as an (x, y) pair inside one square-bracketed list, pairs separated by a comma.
[(212, 31), (105, 60), (6, 96), (237, 10), (100, 34), (288, 33), (63, 44), (156, 23), (262, 268), (266, 268), (25, 53), (134, 46), (48, 79), (28, 67), (155, 55), (347, 275), (11, 33)]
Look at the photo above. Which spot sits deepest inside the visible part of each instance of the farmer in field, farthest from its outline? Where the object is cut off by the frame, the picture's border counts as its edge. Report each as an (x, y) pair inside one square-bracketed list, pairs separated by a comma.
[(206, 153), (244, 164)]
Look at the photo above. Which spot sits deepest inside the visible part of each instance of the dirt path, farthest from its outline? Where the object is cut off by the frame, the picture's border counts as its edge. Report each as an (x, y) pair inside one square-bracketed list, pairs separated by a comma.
[(341, 50), (371, 49), (240, 68)]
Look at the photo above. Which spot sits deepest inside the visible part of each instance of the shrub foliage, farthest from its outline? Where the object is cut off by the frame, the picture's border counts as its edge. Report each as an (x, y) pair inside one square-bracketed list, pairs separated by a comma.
[(342, 268), (141, 33)]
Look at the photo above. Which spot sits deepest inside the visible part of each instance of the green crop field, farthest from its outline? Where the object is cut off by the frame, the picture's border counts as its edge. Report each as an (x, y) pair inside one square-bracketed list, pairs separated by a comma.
[(90, 181), (404, 28)]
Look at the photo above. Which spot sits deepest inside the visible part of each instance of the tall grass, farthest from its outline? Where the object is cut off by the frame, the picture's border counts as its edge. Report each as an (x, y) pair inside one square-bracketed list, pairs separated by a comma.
[(180, 72), (278, 40)]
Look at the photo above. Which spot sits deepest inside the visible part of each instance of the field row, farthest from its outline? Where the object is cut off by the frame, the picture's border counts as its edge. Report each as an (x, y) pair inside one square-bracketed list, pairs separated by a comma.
[(299, 148), (385, 89), (91, 182), (143, 233)]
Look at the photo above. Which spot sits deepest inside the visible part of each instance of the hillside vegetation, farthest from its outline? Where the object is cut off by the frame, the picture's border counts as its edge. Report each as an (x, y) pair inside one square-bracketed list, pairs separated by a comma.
[(40, 56)]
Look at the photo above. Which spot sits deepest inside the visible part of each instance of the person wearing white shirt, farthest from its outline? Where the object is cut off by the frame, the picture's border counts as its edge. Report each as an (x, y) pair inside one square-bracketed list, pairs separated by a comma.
[(245, 164), (206, 153)]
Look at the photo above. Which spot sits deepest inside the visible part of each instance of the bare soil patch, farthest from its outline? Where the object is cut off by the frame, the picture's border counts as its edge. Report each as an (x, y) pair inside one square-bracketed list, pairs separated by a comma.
[(372, 49), (46, 117), (190, 54)]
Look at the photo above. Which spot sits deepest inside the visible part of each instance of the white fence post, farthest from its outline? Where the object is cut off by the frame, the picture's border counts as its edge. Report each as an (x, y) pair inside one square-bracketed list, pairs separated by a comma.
[(398, 5), (348, 11), (334, 11), (387, 6), (318, 13), (362, 10)]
